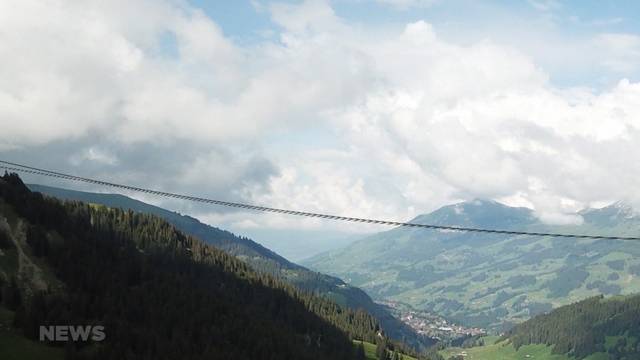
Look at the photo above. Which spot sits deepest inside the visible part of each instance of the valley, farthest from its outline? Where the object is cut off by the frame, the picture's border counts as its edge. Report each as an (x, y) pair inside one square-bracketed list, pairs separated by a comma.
[(487, 280), (443, 285), (591, 328)]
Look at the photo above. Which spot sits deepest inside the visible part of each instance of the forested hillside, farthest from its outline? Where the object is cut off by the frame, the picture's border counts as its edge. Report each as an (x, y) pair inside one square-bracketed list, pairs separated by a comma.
[(593, 325), (259, 258), (597, 328), (159, 293)]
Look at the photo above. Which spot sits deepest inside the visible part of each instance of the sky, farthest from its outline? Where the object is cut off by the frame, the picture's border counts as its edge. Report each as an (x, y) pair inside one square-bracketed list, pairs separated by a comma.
[(381, 108)]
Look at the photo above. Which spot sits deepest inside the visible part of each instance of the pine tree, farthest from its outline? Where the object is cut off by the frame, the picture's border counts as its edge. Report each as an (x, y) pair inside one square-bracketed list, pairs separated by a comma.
[(37, 239), (360, 353), (11, 295), (5, 241), (381, 350)]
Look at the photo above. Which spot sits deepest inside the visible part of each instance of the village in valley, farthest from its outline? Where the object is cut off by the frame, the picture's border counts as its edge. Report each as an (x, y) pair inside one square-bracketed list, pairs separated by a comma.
[(431, 325)]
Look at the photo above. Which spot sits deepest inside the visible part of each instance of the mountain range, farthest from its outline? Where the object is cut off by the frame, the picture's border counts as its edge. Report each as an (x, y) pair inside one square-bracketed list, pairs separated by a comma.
[(492, 280)]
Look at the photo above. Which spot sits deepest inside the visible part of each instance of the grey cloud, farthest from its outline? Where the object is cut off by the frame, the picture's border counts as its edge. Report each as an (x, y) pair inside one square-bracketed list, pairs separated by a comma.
[(151, 165)]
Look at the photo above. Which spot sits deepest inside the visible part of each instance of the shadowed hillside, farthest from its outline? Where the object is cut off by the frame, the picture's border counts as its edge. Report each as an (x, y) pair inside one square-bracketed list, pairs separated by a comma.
[(157, 292), (258, 257)]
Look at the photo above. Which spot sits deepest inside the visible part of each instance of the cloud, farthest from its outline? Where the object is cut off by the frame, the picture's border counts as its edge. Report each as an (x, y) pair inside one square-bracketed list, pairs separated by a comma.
[(545, 5), (311, 16), (414, 120), (407, 4), (480, 121), (89, 67), (623, 51), (94, 154)]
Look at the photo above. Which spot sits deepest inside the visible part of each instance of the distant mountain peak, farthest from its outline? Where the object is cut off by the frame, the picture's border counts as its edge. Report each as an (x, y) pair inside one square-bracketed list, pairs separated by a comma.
[(624, 209), (623, 205), (478, 212), (483, 202), (617, 211)]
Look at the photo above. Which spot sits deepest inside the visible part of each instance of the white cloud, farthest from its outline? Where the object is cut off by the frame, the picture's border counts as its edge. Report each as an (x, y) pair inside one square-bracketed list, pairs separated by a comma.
[(407, 4), (545, 5), (622, 51), (95, 155), (482, 121), (311, 16), (417, 121)]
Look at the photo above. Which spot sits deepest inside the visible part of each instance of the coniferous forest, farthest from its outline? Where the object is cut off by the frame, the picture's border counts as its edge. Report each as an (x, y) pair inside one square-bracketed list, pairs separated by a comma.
[(158, 293), (259, 258)]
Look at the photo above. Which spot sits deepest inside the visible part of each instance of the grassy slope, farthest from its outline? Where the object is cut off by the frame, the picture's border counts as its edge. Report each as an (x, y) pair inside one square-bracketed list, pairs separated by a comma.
[(14, 346), (370, 351), (505, 351)]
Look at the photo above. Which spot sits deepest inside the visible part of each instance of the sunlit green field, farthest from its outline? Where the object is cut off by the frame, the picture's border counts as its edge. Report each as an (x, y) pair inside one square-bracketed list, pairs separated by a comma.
[(505, 351), (370, 351)]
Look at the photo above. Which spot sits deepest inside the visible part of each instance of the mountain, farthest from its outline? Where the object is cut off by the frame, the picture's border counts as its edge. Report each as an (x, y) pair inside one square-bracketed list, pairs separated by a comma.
[(596, 328), (155, 292), (259, 258), (492, 280)]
